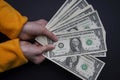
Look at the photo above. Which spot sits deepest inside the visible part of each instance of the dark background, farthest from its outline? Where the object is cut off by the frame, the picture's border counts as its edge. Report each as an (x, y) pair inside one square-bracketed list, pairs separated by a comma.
[(108, 10)]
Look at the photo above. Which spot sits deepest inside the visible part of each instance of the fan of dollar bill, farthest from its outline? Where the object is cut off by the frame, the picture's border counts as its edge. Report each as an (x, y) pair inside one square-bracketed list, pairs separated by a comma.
[(81, 38)]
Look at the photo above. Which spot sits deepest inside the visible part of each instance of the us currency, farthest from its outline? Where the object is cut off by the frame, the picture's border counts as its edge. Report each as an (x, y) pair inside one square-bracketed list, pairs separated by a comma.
[(80, 4), (85, 23), (42, 40), (89, 21), (65, 7), (73, 25), (77, 15), (101, 54), (77, 7), (79, 43), (87, 10), (85, 67)]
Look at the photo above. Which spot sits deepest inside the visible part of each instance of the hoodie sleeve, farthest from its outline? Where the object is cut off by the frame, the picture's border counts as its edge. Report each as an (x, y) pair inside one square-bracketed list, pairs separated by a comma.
[(11, 55), (11, 21)]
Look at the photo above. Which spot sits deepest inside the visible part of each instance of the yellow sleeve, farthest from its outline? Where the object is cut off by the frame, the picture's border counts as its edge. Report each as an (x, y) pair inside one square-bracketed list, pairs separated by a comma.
[(11, 55), (11, 21)]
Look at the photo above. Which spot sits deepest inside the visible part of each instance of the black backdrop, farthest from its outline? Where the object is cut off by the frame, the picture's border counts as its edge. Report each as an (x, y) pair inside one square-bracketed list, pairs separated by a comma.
[(37, 9)]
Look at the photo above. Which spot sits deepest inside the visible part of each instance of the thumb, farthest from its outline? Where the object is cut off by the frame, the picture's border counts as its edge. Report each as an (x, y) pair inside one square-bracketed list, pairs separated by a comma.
[(42, 22), (49, 34), (45, 48)]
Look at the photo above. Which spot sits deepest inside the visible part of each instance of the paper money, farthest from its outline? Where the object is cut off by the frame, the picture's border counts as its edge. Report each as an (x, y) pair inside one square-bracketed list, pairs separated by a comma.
[(76, 8), (77, 15), (81, 38), (65, 7), (79, 5), (101, 54), (79, 43), (90, 21), (85, 67)]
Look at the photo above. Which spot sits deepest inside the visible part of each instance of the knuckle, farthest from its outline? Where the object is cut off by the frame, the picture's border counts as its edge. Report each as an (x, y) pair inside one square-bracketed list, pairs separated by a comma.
[(43, 20), (44, 29), (43, 49), (46, 32)]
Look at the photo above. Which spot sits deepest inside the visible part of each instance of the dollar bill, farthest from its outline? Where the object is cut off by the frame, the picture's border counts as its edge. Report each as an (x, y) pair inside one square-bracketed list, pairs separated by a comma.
[(85, 67), (76, 28), (77, 15), (101, 54), (81, 38), (81, 3), (78, 7), (87, 22), (79, 43), (42, 40), (65, 7)]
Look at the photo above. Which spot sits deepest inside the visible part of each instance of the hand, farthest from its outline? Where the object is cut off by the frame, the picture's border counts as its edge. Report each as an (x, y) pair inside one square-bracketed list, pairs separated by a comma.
[(33, 52), (36, 28)]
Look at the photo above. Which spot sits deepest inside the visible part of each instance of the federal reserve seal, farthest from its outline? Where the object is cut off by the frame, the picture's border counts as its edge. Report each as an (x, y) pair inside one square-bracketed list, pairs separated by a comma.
[(60, 45)]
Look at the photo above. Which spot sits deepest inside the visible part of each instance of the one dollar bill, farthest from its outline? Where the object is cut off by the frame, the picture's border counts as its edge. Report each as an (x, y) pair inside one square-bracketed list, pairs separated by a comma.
[(79, 43), (85, 67)]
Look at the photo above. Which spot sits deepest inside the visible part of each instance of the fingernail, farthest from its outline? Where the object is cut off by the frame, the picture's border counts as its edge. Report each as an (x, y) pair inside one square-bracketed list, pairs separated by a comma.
[(53, 46), (56, 38)]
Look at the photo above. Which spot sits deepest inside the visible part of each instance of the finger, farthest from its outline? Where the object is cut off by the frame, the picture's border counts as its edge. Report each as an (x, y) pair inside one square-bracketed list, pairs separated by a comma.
[(37, 44), (42, 22), (44, 31), (39, 59), (38, 49), (46, 48), (49, 34)]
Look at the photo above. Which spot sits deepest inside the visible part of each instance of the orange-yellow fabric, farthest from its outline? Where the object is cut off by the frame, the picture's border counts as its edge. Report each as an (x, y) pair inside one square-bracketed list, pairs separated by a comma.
[(11, 55), (11, 23)]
